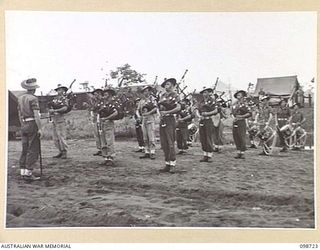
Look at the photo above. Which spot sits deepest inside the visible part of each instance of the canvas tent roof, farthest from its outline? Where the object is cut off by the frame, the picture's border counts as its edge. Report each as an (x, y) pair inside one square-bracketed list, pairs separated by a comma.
[(277, 86), (13, 107)]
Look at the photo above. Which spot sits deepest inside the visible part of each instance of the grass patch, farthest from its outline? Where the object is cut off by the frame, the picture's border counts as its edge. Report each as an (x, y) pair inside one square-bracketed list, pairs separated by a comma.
[(79, 126)]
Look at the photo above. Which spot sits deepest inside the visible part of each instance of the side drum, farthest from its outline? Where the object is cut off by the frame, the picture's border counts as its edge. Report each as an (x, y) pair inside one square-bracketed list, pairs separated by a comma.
[(193, 131)]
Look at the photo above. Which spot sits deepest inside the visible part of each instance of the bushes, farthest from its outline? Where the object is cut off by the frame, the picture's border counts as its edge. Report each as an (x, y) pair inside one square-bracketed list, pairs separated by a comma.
[(79, 126)]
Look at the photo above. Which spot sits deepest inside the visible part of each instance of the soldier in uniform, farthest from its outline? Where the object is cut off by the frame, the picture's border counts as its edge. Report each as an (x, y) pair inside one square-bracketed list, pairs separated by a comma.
[(217, 129), (29, 116), (207, 109), (168, 107), (240, 112), (138, 125), (184, 117), (252, 127), (263, 116), (106, 114), (147, 107), (57, 110), (282, 118), (297, 120), (96, 102)]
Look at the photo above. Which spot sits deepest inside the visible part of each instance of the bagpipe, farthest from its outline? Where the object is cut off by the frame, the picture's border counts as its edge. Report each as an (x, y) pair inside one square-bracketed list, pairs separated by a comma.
[(149, 105), (167, 103), (105, 109), (185, 112), (164, 104), (68, 99), (220, 101), (122, 102), (249, 99), (207, 106), (58, 103), (179, 89), (108, 107)]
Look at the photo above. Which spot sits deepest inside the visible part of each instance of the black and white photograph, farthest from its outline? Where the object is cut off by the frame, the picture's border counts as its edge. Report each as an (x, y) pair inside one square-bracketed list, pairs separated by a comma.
[(160, 119)]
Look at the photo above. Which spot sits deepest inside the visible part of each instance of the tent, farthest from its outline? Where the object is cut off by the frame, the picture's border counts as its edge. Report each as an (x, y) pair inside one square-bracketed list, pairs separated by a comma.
[(13, 117), (277, 87)]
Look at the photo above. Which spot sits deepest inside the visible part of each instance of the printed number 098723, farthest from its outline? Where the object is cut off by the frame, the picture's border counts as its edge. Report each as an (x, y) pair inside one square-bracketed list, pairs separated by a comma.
[(309, 246)]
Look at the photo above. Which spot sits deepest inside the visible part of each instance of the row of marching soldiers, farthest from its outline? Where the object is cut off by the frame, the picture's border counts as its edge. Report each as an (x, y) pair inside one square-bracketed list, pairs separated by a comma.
[(175, 116), (209, 111), (105, 110)]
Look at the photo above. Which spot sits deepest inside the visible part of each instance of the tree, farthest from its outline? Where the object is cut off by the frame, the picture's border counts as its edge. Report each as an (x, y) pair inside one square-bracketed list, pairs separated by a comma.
[(126, 75)]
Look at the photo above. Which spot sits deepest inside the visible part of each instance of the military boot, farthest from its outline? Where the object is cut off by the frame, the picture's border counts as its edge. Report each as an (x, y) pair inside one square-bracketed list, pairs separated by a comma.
[(239, 156), (152, 156), (165, 169), (64, 155), (58, 155), (284, 149), (99, 153), (204, 159), (172, 169), (145, 156), (28, 176)]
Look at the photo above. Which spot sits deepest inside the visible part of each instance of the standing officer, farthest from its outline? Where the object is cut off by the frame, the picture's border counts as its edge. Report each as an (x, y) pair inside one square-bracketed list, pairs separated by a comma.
[(240, 112), (207, 109), (29, 116), (96, 102), (57, 109), (106, 115), (263, 116), (282, 117), (168, 106), (148, 108), (138, 125), (184, 117)]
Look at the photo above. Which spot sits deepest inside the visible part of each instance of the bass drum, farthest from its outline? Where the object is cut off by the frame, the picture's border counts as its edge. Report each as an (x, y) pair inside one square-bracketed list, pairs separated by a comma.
[(193, 133), (253, 131), (268, 138)]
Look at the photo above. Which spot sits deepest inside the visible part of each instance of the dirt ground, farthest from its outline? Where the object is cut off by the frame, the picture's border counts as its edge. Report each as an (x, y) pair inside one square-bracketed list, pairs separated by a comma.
[(260, 191)]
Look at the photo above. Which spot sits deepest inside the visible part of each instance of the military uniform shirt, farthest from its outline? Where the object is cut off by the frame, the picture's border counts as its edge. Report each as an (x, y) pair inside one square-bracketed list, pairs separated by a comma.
[(96, 104), (264, 114), (27, 103), (207, 105), (283, 115), (107, 108), (283, 112), (297, 117), (59, 102), (240, 109), (186, 111), (146, 104), (169, 100)]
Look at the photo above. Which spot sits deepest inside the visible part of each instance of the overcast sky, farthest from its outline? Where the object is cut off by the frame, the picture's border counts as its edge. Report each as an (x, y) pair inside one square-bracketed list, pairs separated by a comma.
[(56, 47)]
